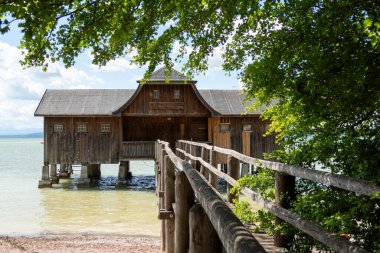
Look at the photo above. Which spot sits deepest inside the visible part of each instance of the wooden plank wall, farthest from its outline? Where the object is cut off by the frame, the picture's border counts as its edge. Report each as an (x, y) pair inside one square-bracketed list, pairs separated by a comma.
[(137, 150), (72, 147), (258, 144), (166, 105), (169, 129)]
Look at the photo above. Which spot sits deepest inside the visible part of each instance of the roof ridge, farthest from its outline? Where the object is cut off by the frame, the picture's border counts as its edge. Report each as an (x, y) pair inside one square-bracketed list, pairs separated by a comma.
[(160, 75)]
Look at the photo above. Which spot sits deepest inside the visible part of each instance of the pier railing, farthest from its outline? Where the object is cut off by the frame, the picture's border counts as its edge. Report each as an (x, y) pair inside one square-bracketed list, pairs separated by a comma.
[(205, 225), (203, 158)]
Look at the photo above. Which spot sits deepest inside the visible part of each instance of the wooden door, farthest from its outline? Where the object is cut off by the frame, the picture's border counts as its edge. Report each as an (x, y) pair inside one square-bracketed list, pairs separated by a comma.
[(246, 142)]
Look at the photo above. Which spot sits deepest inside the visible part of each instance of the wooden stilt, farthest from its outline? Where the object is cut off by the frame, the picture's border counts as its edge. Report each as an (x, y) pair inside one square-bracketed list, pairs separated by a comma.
[(184, 199), (203, 237), (123, 175), (169, 200), (53, 174), (45, 180), (84, 181)]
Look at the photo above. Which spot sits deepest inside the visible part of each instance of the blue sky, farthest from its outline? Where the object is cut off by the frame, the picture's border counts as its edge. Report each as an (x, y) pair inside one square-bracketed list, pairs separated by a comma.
[(21, 89)]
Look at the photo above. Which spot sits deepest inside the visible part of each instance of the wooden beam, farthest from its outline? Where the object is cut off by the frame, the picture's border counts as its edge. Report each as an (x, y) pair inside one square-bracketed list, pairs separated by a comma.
[(233, 167), (285, 193), (184, 199), (169, 200), (203, 237), (165, 215), (233, 234), (213, 179), (205, 157), (333, 241), (343, 182)]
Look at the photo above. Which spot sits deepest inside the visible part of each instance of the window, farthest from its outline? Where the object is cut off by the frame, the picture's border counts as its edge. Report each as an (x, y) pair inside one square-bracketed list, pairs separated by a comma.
[(224, 127), (58, 128), (82, 128), (177, 94), (156, 94), (105, 127), (247, 127)]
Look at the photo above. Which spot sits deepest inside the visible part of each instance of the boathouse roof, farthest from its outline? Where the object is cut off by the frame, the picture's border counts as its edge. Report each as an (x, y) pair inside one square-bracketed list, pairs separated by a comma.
[(104, 102), (108, 102)]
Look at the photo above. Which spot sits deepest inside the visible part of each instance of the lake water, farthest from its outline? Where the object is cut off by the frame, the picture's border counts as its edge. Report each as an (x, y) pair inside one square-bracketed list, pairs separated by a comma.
[(27, 210)]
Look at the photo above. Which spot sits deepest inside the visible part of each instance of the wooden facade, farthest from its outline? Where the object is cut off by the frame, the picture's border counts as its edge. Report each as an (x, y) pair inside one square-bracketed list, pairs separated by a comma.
[(70, 146), (109, 126)]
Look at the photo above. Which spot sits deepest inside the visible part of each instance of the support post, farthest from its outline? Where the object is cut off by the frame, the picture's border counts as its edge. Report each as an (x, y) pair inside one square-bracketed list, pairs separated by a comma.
[(244, 169), (84, 181), (233, 167), (213, 179), (184, 199), (53, 174), (161, 199), (203, 237), (204, 156), (124, 174), (65, 171), (169, 200), (197, 153), (193, 153), (45, 181), (96, 172), (284, 195)]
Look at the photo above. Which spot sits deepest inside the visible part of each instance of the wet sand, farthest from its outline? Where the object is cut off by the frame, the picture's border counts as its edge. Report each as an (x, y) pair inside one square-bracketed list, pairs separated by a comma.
[(79, 243)]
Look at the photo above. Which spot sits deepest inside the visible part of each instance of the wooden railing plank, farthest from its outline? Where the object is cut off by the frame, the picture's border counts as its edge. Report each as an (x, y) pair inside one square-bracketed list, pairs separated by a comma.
[(343, 182), (333, 241), (233, 234)]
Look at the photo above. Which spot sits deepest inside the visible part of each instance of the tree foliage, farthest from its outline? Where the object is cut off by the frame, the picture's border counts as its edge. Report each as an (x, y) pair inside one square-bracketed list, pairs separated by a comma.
[(319, 60)]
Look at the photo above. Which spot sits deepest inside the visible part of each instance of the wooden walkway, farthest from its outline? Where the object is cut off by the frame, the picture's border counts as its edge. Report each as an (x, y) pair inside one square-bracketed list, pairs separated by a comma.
[(197, 218)]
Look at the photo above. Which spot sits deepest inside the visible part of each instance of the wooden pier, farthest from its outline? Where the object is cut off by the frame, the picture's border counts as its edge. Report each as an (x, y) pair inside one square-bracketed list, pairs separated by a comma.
[(197, 218), (88, 128)]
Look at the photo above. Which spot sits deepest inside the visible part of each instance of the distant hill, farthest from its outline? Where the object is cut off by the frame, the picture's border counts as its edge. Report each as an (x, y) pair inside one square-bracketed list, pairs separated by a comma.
[(33, 135)]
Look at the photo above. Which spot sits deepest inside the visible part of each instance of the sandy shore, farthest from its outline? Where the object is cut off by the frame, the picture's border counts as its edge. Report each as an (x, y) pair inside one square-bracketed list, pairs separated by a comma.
[(79, 243)]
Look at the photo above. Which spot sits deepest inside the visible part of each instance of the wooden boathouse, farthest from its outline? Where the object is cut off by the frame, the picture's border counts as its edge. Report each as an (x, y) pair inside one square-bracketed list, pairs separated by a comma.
[(90, 127)]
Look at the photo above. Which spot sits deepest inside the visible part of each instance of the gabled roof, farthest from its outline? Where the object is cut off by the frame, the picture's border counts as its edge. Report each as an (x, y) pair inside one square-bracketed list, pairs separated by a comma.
[(175, 76), (109, 102), (82, 102), (228, 102), (105, 102)]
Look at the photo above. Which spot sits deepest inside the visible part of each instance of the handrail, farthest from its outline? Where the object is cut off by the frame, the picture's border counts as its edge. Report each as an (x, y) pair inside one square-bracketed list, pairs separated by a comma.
[(335, 242), (343, 182), (234, 236)]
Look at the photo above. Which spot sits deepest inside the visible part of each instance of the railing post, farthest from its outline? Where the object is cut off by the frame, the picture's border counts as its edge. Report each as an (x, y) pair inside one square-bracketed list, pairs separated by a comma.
[(204, 156), (184, 200), (213, 179), (193, 153), (169, 200), (233, 166), (203, 237), (161, 197), (284, 195)]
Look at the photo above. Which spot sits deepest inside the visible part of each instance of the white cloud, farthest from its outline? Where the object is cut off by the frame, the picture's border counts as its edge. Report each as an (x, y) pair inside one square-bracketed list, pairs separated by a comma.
[(216, 60), (21, 89), (17, 115), (117, 65)]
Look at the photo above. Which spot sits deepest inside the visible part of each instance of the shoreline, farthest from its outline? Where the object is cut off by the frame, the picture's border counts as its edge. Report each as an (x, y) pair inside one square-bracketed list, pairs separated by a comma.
[(78, 243)]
